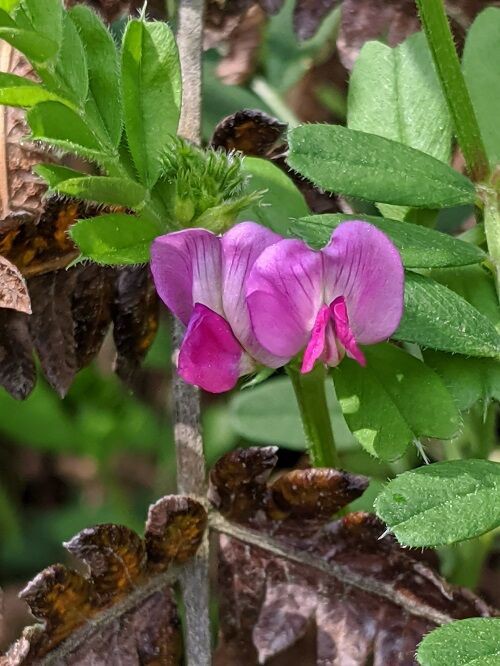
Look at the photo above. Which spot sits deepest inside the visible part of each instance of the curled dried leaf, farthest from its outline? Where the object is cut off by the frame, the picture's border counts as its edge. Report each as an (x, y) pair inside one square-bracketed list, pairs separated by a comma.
[(52, 327), (238, 480), (135, 312), (17, 367), (174, 530), (315, 493), (115, 555), (13, 291), (250, 131)]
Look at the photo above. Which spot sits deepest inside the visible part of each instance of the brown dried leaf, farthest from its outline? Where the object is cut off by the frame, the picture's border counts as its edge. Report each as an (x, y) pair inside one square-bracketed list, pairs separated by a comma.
[(323, 592), (363, 20), (13, 291), (250, 131), (135, 312), (91, 309), (221, 19), (124, 612), (20, 190), (52, 327), (308, 14), (17, 367), (271, 6), (239, 63)]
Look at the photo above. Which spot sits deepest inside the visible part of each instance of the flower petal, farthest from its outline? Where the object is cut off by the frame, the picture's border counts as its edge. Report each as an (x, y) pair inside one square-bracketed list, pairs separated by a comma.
[(187, 269), (241, 246), (284, 294), (316, 345), (343, 331), (362, 265), (210, 355)]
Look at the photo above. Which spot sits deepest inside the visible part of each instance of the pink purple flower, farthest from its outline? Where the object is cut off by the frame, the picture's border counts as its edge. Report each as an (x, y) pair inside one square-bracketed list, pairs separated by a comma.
[(201, 278), (327, 303)]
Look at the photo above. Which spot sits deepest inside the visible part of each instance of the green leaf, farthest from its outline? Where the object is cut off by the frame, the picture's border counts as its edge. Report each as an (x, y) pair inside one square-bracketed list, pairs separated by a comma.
[(71, 65), (115, 238), (18, 91), (54, 174), (60, 126), (6, 21), (396, 93), (102, 62), (442, 503), (106, 190), (8, 5), (268, 414), (482, 46), (469, 380), (419, 247), (282, 200), (394, 400), (151, 89), (371, 167), (438, 318), (46, 17), (35, 47), (471, 642), (476, 285)]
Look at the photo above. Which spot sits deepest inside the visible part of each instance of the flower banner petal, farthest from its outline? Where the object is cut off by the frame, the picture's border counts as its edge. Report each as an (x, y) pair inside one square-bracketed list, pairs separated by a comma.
[(362, 265), (187, 269)]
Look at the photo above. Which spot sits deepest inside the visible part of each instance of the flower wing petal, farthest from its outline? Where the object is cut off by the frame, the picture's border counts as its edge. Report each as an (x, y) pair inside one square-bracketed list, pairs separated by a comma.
[(284, 294), (363, 265), (187, 269), (210, 355)]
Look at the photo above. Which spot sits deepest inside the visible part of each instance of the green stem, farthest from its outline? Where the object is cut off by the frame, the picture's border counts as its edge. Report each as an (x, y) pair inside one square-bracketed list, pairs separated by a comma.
[(440, 39), (311, 397), (491, 216), (274, 101)]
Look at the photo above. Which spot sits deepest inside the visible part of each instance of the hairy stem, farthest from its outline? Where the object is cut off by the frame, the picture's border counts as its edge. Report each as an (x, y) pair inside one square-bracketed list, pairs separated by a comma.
[(440, 39), (311, 397), (189, 445)]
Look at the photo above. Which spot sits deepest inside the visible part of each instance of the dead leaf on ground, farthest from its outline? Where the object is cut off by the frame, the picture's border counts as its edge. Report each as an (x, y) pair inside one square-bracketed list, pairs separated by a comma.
[(240, 60), (293, 584), (124, 611), (250, 131), (308, 15), (13, 290), (363, 20)]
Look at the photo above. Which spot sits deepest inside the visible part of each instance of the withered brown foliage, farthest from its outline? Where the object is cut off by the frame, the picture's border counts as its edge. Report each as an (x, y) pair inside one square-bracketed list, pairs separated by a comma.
[(122, 612), (294, 583), (292, 580)]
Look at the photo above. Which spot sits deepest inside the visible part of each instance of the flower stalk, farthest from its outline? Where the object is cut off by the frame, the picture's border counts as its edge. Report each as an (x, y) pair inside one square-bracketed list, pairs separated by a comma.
[(440, 40), (311, 398)]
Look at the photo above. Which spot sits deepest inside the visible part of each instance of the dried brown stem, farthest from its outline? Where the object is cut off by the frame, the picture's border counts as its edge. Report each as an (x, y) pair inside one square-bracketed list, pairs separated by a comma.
[(189, 445)]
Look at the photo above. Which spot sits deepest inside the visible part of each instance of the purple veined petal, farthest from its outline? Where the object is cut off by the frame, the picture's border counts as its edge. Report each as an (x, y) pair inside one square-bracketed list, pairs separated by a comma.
[(187, 269), (284, 295), (343, 330), (317, 342), (362, 265), (241, 246), (210, 355)]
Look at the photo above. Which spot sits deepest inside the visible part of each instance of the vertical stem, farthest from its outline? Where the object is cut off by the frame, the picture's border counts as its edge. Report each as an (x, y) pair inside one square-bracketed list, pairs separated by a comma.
[(440, 39), (188, 441), (491, 214), (311, 398)]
